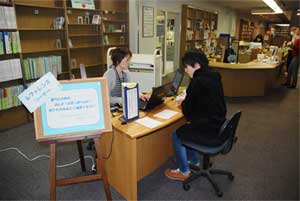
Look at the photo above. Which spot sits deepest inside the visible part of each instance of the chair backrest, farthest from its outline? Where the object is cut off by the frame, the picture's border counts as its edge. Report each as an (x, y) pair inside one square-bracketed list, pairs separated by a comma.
[(229, 129)]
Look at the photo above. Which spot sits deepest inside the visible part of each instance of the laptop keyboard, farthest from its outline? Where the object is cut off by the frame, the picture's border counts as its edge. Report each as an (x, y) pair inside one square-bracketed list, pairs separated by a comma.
[(142, 104)]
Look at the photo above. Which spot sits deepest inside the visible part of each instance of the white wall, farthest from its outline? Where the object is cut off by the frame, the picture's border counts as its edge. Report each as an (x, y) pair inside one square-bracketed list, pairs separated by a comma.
[(226, 19)]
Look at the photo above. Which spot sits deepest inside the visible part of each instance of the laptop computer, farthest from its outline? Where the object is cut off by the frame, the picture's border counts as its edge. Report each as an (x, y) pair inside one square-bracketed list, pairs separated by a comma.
[(175, 84), (156, 98)]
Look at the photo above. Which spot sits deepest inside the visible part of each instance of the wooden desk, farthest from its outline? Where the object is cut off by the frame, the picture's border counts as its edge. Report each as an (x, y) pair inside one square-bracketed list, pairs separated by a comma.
[(137, 150), (248, 79)]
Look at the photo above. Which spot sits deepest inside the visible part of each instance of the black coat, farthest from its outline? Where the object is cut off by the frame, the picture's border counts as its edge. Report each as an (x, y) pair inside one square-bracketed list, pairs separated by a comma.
[(204, 107)]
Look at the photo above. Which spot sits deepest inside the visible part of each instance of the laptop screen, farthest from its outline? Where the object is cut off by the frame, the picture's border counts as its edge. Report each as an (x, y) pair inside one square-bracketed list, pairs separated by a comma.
[(177, 81)]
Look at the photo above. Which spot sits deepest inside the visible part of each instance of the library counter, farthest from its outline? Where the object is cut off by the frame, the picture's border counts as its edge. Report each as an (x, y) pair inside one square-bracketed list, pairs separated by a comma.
[(248, 79)]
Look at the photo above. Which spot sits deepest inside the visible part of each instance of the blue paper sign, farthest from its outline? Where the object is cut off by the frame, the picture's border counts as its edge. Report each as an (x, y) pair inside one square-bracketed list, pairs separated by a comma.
[(77, 107)]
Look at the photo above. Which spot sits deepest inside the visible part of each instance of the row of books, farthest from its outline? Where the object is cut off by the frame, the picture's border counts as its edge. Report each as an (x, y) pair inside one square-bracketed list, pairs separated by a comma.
[(10, 70), (10, 43), (9, 96), (7, 17), (36, 67)]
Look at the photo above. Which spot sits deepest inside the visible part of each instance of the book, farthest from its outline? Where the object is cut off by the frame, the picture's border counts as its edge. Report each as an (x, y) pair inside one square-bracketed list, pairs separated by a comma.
[(1, 43), (9, 96), (16, 44), (96, 19), (7, 42), (36, 67), (10, 70)]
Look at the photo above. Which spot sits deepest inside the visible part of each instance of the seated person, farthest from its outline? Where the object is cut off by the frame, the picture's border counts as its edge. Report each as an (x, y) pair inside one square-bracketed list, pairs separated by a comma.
[(118, 73), (205, 110), (229, 56), (259, 38)]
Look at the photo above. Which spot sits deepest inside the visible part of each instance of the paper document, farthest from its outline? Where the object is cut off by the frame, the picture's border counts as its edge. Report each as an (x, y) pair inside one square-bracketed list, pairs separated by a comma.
[(166, 114), (148, 122)]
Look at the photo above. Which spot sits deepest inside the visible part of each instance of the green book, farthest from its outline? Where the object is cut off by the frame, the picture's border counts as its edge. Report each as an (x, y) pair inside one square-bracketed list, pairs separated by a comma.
[(26, 69), (1, 43)]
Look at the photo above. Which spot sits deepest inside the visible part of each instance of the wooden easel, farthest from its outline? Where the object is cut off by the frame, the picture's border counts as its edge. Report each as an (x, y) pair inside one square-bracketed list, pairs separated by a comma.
[(100, 175)]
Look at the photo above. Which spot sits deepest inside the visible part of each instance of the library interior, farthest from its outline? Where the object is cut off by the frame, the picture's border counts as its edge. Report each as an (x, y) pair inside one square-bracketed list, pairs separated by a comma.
[(149, 99)]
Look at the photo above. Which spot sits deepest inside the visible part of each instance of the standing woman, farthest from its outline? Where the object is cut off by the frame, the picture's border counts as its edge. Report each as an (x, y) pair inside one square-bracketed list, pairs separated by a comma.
[(118, 73)]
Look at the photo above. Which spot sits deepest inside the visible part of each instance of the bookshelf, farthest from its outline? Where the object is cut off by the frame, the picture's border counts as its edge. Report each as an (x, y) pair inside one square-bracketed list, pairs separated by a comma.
[(196, 26), (11, 78), (73, 37), (246, 30)]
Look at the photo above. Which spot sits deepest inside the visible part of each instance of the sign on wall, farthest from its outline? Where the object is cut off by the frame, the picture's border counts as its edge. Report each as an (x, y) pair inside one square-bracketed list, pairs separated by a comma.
[(84, 4), (80, 108), (148, 21)]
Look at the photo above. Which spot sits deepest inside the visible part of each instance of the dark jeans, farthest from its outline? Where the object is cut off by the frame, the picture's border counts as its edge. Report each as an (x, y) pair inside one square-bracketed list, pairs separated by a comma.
[(293, 71), (183, 154)]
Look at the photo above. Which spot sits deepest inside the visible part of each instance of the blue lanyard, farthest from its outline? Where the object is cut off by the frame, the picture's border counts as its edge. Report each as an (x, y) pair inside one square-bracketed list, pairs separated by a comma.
[(121, 81)]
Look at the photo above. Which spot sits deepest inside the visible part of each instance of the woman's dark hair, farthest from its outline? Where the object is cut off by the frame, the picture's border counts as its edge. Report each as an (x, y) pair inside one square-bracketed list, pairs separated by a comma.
[(259, 36), (118, 54), (192, 57)]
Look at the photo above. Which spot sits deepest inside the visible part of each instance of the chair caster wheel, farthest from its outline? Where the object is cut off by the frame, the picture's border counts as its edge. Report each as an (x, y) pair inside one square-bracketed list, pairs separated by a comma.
[(219, 194), (231, 177), (186, 187)]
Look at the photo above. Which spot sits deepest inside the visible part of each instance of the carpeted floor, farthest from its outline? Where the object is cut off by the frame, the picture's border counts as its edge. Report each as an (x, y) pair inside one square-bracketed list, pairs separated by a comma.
[(265, 161)]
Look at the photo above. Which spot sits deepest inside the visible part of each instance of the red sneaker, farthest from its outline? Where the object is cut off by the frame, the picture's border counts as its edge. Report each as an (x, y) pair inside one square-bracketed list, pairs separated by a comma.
[(176, 174)]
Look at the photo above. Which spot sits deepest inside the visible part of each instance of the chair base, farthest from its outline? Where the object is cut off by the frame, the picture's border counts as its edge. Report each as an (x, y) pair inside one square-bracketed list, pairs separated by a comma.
[(208, 174)]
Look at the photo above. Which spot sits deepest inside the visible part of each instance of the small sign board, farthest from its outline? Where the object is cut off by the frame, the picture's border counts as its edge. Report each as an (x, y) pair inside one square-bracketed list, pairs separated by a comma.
[(84, 4), (79, 109)]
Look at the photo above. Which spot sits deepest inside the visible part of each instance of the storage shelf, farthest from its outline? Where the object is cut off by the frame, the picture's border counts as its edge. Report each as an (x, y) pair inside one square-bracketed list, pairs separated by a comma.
[(114, 32), (5, 4), (40, 29), (9, 56), (10, 83), (43, 51), (11, 108), (113, 11), (115, 21), (116, 45), (83, 9), (84, 35), (84, 24), (89, 66), (84, 47), (8, 30), (38, 6)]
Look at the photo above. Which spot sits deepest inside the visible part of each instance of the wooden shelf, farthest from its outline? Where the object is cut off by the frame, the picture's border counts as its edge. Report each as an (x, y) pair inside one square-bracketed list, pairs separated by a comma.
[(89, 66), (116, 45), (9, 56), (84, 24), (114, 32), (8, 30), (10, 83), (113, 11), (115, 21), (44, 51), (40, 29), (84, 47), (83, 9), (38, 6), (84, 35), (5, 4)]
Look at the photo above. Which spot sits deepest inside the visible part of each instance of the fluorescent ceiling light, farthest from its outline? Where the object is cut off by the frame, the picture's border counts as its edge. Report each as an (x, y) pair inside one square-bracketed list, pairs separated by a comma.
[(262, 11), (273, 5), (282, 25)]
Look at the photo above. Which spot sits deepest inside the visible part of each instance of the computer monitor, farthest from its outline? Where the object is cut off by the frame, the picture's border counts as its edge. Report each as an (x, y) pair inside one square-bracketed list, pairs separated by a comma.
[(255, 45)]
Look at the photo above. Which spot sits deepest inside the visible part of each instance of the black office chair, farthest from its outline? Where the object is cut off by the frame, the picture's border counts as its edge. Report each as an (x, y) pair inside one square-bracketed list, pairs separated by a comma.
[(228, 128)]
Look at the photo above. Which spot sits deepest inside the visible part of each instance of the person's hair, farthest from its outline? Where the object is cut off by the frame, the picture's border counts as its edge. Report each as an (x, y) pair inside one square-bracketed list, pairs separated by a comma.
[(118, 54), (192, 57), (260, 36)]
